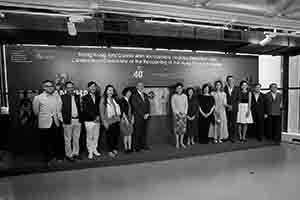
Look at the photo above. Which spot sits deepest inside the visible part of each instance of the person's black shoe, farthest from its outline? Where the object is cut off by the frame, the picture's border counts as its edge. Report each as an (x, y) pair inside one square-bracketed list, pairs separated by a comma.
[(137, 150), (77, 158), (146, 149), (127, 151), (70, 159)]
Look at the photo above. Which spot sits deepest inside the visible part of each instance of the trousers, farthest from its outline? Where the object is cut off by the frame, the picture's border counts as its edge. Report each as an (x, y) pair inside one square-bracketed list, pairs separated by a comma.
[(92, 136), (71, 136)]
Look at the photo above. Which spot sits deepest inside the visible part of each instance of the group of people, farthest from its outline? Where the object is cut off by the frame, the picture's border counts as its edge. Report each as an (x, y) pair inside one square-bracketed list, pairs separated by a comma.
[(126, 116), (219, 113), (223, 112)]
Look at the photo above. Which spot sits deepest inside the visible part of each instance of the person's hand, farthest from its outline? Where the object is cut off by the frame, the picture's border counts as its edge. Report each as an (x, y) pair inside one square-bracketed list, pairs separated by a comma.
[(229, 107), (97, 119), (146, 116), (105, 124), (247, 114), (192, 118), (266, 116)]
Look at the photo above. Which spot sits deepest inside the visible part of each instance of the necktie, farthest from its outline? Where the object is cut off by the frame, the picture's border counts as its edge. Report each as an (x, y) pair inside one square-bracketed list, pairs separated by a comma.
[(142, 95)]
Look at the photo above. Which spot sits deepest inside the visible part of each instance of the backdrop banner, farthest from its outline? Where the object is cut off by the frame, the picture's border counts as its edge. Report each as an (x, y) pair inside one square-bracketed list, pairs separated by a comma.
[(28, 66)]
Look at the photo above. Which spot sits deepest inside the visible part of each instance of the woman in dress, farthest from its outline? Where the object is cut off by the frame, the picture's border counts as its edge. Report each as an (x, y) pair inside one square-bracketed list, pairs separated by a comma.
[(127, 120), (179, 104), (110, 115), (244, 116), (192, 116), (206, 108), (219, 130)]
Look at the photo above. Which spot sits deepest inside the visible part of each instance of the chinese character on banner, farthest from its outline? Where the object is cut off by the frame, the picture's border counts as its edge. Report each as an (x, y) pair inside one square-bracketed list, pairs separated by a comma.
[(139, 73)]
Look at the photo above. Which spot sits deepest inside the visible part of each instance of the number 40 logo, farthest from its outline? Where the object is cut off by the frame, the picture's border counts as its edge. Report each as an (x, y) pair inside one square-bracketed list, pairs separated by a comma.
[(139, 73)]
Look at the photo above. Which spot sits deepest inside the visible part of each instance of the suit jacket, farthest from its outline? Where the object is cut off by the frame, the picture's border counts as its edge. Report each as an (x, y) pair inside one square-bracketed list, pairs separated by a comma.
[(90, 110), (233, 98), (258, 107), (67, 107), (48, 109), (273, 107), (140, 107)]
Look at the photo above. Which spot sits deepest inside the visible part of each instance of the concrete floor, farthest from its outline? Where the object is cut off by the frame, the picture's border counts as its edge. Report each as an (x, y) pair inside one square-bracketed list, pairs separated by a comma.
[(265, 173)]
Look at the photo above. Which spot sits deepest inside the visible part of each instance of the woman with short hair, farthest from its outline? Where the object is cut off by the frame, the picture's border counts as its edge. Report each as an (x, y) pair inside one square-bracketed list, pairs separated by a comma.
[(179, 103), (127, 120)]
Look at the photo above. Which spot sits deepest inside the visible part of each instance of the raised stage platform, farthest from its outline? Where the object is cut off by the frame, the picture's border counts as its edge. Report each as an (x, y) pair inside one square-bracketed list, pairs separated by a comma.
[(27, 164)]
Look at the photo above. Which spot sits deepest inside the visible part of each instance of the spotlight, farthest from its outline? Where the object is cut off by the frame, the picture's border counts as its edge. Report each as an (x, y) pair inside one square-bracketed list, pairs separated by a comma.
[(71, 28), (71, 24), (266, 41)]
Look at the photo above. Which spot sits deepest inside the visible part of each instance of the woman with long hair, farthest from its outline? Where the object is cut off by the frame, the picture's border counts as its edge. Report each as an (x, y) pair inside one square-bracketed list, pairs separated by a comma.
[(219, 130), (192, 116), (179, 104), (244, 116), (110, 116), (127, 120)]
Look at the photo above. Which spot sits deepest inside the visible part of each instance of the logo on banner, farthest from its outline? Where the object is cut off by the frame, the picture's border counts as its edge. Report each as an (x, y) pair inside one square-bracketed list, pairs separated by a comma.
[(139, 73)]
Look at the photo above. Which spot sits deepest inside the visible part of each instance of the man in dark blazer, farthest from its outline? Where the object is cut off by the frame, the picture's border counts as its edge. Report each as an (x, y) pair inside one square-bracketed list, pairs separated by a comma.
[(91, 118), (71, 114), (141, 110), (273, 106), (258, 111), (232, 92)]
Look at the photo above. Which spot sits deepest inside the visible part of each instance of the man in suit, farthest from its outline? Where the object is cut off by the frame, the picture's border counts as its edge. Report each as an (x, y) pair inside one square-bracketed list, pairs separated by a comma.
[(258, 111), (47, 108), (273, 106), (71, 113), (91, 118), (231, 111), (141, 110)]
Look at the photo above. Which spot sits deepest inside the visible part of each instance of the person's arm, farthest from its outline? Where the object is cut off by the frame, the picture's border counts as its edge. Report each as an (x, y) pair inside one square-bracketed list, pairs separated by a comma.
[(249, 104), (122, 108), (211, 110), (281, 106), (103, 113), (59, 108), (225, 100), (186, 105), (265, 102), (173, 105), (36, 105), (201, 112)]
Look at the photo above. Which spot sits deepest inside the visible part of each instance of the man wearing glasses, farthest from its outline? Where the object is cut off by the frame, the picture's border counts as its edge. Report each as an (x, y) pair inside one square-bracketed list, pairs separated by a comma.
[(47, 107)]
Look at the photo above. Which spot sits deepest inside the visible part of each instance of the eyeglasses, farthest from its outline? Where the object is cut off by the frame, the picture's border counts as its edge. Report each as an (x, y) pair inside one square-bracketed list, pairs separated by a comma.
[(48, 86)]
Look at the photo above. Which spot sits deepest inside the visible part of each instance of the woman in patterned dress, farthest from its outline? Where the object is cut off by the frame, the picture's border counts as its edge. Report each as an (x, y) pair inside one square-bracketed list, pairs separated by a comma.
[(179, 103)]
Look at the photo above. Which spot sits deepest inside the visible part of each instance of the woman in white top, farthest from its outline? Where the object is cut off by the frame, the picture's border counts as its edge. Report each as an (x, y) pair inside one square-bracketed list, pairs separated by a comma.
[(179, 103), (110, 115)]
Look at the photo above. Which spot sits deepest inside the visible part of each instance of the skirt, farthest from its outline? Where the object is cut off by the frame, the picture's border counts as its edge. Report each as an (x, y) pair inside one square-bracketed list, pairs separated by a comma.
[(192, 128), (126, 128), (241, 115), (179, 125)]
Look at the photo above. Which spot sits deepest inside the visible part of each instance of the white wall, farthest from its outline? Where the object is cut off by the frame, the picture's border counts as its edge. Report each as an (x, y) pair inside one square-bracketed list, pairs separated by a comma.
[(269, 70)]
